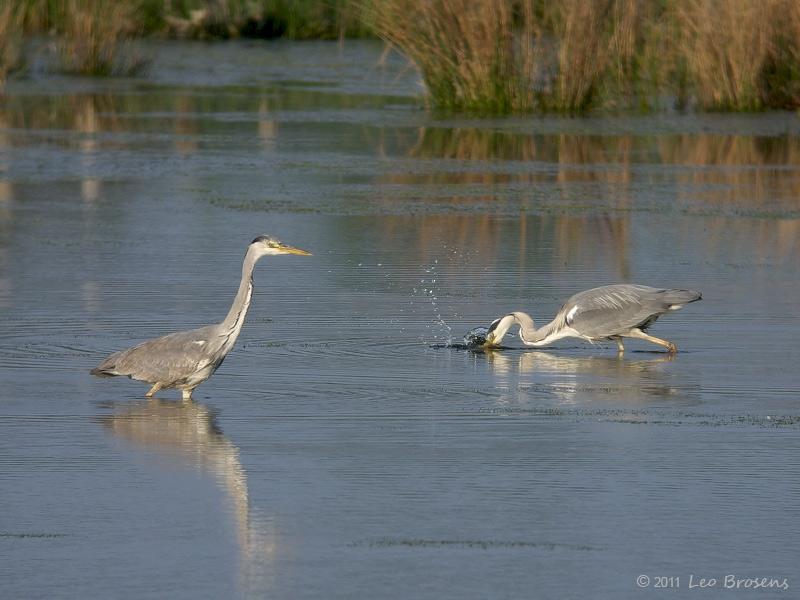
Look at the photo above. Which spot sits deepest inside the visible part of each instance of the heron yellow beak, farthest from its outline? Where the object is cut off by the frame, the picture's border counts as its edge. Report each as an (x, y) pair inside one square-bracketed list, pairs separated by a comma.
[(292, 250), (489, 340)]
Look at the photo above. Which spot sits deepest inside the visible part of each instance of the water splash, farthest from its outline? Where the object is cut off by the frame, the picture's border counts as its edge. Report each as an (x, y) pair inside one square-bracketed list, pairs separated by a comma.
[(429, 289), (476, 337)]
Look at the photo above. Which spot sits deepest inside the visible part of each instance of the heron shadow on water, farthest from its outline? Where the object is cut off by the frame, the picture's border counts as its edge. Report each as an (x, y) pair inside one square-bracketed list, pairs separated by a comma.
[(187, 434)]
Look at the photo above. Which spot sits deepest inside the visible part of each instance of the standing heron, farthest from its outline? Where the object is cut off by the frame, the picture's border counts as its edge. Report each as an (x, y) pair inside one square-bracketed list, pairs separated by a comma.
[(186, 359), (611, 312)]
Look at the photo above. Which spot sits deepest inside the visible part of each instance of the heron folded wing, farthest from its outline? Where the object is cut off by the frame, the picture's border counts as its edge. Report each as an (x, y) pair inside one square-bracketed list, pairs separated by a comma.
[(168, 359), (611, 310)]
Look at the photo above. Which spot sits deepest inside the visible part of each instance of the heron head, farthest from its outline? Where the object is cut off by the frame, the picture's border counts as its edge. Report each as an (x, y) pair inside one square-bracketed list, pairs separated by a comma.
[(265, 244), (498, 329)]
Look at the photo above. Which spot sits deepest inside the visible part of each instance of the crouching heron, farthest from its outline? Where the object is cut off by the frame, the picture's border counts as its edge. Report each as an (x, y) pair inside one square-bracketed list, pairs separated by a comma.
[(186, 359), (611, 312)]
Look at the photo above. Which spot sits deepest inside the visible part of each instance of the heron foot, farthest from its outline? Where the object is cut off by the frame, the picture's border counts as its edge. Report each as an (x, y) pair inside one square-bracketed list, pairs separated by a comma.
[(186, 395), (638, 333)]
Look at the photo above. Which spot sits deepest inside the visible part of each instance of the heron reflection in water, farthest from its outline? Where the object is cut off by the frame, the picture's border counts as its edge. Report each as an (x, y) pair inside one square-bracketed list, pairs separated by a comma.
[(188, 433), (589, 378)]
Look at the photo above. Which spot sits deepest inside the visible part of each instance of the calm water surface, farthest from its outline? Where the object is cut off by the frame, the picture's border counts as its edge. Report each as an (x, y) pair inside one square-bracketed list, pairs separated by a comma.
[(341, 451)]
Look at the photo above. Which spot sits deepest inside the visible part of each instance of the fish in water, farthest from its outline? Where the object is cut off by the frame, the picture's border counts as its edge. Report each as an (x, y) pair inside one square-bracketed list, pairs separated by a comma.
[(476, 338)]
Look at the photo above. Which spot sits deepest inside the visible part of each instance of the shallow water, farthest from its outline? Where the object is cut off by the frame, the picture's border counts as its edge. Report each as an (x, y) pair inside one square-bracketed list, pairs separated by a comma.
[(342, 450)]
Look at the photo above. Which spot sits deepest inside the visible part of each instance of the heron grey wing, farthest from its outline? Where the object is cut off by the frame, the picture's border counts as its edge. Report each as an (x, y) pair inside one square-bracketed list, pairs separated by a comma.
[(167, 359), (611, 310)]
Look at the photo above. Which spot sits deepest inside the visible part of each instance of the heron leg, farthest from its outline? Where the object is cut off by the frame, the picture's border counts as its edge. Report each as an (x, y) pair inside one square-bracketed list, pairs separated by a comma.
[(638, 333), (620, 347), (153, 390), (186, 394)]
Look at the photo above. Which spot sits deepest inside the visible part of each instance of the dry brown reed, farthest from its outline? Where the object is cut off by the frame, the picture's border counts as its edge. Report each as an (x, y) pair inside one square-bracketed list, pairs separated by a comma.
[(516, 55), (11, 58), (582, 55), (502, 56), (487, 56), (469, 53), (723, 45), (96, 38)]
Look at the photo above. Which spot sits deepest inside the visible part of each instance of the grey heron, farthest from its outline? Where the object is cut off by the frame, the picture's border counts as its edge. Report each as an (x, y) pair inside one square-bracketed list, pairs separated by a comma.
[(185, 359), (610, 312)]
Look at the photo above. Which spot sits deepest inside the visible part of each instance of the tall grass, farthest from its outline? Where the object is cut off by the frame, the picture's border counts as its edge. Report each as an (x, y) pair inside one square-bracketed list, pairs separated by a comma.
[(502, 56), (96, 38), (10, 42), (469, 53), (738, 54), (485, 56), (215, 19), (510, 55), (580, 41)]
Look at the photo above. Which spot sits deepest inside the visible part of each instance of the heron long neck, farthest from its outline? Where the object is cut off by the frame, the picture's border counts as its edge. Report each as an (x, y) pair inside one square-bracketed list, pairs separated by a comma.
[(235, 319), (528, 332)]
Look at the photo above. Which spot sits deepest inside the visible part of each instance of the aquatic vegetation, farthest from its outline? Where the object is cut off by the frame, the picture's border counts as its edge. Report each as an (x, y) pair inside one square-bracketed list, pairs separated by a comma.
[(467, 52), (292, 19), (503, 56), (489, 57), (738, 55), (11, 58), (213, 19), (96, 39), (93, 37)]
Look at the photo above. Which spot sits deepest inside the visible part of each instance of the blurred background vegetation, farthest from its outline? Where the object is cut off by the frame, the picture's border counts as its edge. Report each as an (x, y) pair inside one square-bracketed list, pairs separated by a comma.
[(487, 57)]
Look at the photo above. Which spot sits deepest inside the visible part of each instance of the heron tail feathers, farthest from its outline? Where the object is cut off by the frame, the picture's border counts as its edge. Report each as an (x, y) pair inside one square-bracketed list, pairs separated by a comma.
[(107, 368), (99, 372), (681, 296)]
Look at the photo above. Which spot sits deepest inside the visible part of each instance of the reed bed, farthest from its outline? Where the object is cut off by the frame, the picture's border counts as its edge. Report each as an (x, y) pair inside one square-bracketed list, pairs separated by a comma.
[(501, 56), (213, 19), (93, 37), (487, 57), (97, 39), (11, 58), (738, 54), (468, 53)]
